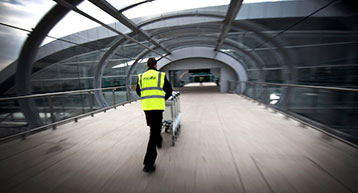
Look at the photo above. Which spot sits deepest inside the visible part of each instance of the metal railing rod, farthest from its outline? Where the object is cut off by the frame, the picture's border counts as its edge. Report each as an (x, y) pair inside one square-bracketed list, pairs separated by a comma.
[(306, 121), (288, 113), (301, 86), (59, 93), (74, 118)]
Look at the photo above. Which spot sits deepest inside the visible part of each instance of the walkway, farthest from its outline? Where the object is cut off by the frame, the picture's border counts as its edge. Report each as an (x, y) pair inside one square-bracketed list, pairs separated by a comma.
[(227, 144)]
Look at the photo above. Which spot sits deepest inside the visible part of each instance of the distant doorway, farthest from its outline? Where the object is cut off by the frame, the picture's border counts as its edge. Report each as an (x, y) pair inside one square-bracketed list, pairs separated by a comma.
[(199, 77)]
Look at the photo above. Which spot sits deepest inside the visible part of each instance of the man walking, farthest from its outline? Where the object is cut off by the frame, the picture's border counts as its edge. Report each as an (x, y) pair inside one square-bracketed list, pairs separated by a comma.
[(153, 89)]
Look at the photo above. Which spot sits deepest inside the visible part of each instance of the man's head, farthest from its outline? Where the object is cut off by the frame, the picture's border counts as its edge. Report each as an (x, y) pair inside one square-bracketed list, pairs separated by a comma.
[(152, 63)]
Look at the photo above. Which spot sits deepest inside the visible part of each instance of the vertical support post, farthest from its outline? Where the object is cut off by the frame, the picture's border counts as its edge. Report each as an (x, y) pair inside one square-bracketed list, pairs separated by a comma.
[(12, 118), (53, 118), (238, 86), (231, 88), (254, 91), (315, 100), (90, 102), (45, 112), (114, 98), (286, 105), (266, 95), (129, 95)]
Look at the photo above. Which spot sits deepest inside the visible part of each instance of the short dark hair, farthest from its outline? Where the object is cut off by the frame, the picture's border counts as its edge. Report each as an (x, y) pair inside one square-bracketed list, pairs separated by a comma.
[(151, 62)]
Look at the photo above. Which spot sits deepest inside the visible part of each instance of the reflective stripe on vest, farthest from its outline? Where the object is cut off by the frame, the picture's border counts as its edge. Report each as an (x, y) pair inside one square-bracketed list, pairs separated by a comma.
[(151, 88), (151, 84), (152, 97)]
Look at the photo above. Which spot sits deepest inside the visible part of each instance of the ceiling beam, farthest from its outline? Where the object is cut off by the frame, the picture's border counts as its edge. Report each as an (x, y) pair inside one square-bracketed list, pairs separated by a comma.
[(75, 9), (231, 13), (133, 5), (108, 8)]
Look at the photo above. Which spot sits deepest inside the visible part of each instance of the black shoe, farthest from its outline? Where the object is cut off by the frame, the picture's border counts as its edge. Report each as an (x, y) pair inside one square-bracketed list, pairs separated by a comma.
[(159, 145), (149, 168)]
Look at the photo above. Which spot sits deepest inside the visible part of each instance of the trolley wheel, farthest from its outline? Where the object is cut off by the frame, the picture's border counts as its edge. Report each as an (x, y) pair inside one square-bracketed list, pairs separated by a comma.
[(167, 129), (173, 140)]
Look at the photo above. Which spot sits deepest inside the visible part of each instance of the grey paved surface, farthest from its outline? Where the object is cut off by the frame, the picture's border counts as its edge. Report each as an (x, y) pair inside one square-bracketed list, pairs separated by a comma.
[(227, 144)]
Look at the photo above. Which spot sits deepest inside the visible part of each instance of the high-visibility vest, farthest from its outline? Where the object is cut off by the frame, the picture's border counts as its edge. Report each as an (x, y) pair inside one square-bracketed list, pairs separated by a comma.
[(151, 85)]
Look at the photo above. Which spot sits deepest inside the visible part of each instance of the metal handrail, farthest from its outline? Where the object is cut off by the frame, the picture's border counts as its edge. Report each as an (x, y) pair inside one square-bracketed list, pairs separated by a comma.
[(303, 120), (75, 118), (299, 86), (60, 93)]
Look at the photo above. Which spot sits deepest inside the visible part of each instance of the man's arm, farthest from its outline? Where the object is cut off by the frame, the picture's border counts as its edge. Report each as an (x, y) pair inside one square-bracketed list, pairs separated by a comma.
[(167, 88), (137, 89)]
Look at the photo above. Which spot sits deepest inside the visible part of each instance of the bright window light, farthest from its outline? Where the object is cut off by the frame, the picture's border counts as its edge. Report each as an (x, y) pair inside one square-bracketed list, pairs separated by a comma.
[(129, 63), (274, 98)]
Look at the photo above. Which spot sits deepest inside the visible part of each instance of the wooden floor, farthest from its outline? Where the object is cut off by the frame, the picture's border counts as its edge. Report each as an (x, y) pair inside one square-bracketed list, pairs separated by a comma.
[(227, 144)]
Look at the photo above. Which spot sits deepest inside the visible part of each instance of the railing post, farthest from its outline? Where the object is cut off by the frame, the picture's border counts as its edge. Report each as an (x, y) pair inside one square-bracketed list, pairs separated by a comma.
[(238, 87), (114, 98), (53, 118), (45, 113), (266, 95), (90, 102), (254, 92), (286, 105)]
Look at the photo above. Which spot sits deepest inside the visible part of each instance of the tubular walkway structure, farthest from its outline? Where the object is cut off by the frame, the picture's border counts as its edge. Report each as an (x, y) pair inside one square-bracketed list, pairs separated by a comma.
[(227, 144), (281, 116)]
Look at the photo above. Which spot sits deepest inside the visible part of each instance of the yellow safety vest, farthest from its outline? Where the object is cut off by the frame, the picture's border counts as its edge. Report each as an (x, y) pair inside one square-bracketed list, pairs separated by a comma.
[(151, 85)]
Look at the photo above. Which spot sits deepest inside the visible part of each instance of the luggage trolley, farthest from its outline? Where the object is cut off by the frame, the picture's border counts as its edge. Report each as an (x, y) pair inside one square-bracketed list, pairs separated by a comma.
[(172, 116)]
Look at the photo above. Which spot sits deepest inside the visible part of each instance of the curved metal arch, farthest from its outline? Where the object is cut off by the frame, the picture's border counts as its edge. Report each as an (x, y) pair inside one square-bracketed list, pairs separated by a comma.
[(251, 27), (134, 5), (236, 27), (209, 53), (284, 59), (210, 26), (103, 62), (27, 58), (289, 71), (171, 16), (189, 34), (97, 79), (234, 44), (145, 52), (241, 25), (204, 14), (254, 59)]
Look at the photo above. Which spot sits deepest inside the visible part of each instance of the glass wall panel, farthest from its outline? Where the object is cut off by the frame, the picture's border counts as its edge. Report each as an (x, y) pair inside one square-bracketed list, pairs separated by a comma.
[(11, 118), (11, 41), (16, 17), (275, 76), (163, 6), (253, 75), (335, 109)]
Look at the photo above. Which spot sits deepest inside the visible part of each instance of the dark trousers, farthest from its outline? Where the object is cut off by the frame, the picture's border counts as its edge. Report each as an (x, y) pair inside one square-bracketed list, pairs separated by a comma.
[(154, 121)]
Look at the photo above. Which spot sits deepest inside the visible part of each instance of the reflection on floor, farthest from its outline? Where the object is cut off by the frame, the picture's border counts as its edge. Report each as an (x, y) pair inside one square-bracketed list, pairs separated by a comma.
[(227, 144)]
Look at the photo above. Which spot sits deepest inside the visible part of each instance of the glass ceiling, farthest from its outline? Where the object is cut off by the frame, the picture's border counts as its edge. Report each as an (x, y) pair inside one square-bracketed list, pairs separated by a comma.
[(21, 15), (254, 41)]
